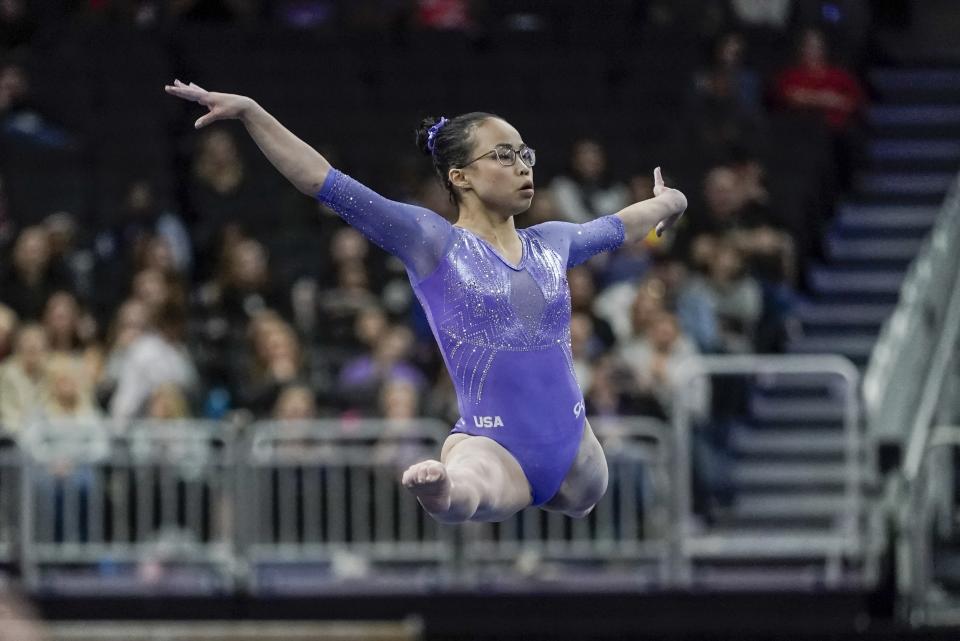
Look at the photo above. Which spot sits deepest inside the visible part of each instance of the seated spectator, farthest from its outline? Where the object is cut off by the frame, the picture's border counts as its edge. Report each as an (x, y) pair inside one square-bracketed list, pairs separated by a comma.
[(349, 247), (649, 302), (361, 379), (69, 391), (130, 323), (8, 329), (156, 290), (23, 378), (156, 357), (33, 277), (657, 360), (585, 345), (243, 287), (73, 331), (68, 256), (222, 194), (613, 391), (278, 362), (155, 253), (736, 203), (296, 402), (735, 297), (723, 109), (586, 191), (399, 404), (399, 400), (142, 218), (21, 118), (67, 330), (340, 305), (168, 403), (582, 292), (17, 24), (729, 76)]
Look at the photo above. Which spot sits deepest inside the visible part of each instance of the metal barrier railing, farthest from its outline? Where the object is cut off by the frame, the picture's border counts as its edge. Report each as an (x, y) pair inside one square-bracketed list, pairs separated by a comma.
[(151, 506), (925, 487), (629, 527), (286, 506), (928, 513), (10, 488), (326, 495), (900, 362), (843, 540)]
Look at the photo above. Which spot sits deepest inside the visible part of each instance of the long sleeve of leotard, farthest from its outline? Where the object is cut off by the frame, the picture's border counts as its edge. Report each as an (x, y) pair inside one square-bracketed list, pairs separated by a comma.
[(578, 242), (415, 235)]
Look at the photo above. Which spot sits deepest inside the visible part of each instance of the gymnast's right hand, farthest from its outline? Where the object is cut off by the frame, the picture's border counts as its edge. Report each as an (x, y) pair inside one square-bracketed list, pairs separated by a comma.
[(222, 106)]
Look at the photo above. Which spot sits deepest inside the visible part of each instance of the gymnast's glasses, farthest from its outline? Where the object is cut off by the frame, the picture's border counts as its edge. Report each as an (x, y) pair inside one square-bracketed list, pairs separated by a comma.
[(507, 155)]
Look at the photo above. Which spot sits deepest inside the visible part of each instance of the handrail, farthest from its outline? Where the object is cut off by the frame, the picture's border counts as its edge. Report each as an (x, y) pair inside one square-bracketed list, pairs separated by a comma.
[(904, 349), (943, 355), (760, 365), (915, 518)]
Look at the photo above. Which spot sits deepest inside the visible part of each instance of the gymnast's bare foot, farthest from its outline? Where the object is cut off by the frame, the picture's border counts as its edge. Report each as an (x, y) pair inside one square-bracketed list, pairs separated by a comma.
[(429, 481)]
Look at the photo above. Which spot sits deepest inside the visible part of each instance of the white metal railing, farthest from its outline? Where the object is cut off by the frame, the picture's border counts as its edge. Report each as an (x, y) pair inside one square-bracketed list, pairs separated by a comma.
[(899, 364), (844, 540), (927, 514)]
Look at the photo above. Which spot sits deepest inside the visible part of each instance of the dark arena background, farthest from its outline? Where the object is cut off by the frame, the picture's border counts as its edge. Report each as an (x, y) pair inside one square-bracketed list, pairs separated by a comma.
[(210, 385)]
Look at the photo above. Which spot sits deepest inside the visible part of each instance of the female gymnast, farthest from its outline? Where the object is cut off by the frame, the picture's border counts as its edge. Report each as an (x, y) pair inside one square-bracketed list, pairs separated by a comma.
[(497, 301)]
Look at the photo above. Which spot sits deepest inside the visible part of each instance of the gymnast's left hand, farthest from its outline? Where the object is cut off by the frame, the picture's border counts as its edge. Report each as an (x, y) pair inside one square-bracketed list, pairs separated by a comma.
[(222, 106), (676, 198)]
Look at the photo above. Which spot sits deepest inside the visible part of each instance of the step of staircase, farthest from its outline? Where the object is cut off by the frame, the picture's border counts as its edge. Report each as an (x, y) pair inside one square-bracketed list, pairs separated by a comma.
[(913, 154), (905, 184), (843, 316), (918, 85), (850, 282), (866, 218), (772, 442), (889, 251), (778, 411), (814, 506), (758, 543), (856, 347), (789, 475), (914, 117)]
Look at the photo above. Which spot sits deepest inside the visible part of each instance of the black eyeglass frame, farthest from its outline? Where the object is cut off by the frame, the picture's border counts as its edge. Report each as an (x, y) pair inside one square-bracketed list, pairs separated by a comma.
[(516, 154)]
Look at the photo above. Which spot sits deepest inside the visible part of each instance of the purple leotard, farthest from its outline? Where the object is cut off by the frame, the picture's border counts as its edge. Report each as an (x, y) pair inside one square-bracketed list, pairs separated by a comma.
[(504, 330)]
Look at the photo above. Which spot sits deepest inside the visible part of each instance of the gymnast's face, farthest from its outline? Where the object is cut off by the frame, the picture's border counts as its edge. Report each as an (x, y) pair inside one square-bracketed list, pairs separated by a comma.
[(506, 189)]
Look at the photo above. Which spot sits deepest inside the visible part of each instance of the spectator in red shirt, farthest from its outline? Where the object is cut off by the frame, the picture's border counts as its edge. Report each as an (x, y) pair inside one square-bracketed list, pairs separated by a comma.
[(815, 84)]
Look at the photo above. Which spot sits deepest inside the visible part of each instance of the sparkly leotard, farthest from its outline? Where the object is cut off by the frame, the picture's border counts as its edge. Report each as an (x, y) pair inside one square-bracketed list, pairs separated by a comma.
[(504, 330)]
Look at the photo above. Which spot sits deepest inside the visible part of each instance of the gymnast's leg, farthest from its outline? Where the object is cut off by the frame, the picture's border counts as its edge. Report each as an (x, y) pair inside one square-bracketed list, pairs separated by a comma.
[(585, 483), (476, 479)]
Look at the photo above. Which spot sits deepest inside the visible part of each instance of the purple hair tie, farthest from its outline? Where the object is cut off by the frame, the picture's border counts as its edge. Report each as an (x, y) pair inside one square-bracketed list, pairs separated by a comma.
[(433, 131)]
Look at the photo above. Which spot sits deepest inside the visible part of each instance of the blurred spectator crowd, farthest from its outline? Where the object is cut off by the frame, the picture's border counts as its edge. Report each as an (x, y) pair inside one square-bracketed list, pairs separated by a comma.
[(194, 302)]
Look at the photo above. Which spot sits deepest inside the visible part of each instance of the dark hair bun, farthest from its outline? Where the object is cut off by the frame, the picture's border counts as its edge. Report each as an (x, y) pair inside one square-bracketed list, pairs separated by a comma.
[(423, 132)]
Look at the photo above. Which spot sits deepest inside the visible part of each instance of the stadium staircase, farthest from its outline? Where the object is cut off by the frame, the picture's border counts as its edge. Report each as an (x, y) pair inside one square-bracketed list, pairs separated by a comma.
[(788, 451)]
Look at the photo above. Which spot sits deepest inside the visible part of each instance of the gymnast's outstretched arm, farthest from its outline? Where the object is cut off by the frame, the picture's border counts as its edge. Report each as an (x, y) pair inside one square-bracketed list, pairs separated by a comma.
[(300, 163), (418, 236)]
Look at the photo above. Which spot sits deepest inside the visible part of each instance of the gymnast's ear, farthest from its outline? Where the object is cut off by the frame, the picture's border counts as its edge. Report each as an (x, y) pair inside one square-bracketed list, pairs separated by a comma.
[(458, 178)]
